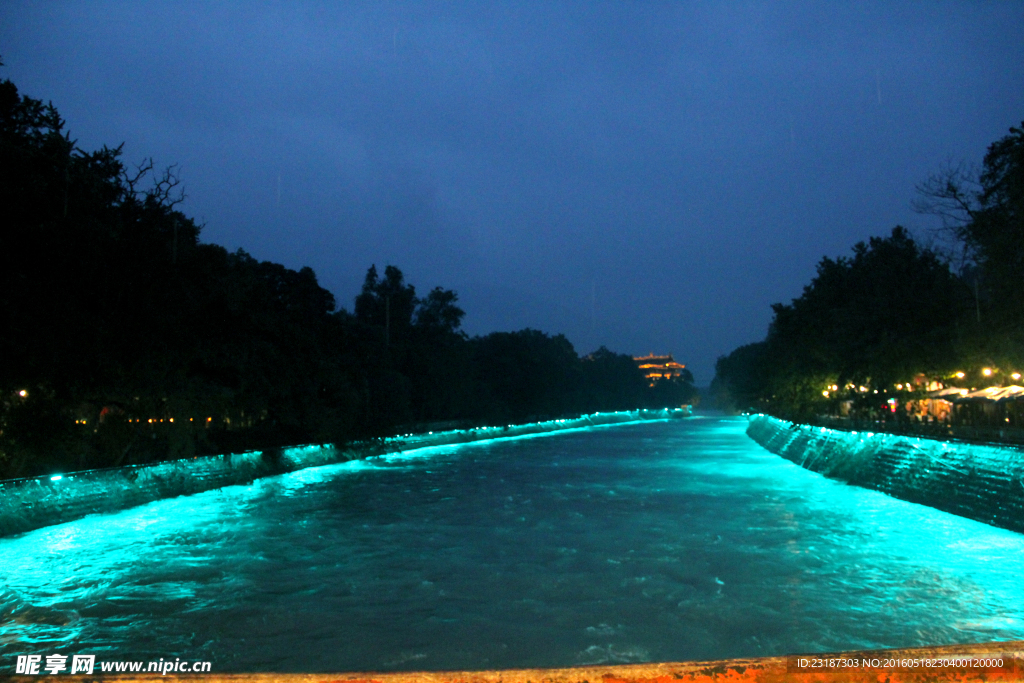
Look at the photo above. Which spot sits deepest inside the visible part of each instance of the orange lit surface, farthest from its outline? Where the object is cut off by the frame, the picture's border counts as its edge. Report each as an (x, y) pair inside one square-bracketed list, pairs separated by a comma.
[(761, 670)]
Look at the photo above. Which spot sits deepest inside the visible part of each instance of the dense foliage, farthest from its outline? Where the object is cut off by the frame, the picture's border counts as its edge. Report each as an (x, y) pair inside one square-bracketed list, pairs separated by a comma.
[(896, 314), (124, 339)]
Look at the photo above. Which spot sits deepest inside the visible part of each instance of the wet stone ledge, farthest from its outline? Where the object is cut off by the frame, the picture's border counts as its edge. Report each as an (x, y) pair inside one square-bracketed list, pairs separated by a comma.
[(27, 504), (984, 483)]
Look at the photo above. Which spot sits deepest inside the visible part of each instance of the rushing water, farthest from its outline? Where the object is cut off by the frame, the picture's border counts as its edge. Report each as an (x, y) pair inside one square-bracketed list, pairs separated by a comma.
[(661, 541)]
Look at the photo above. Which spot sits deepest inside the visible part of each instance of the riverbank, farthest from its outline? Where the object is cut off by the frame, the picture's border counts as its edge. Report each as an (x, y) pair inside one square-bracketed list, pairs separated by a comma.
[(985, 435), (27, 504), (980, 482)]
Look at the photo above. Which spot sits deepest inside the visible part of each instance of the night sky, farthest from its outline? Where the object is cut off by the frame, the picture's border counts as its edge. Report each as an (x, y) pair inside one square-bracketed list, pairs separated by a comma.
[(647, 176)]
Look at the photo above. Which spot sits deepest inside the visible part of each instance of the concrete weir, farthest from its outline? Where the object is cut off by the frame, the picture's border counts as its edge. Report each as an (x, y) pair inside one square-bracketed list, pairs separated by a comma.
[(984, 483), (27, 504)]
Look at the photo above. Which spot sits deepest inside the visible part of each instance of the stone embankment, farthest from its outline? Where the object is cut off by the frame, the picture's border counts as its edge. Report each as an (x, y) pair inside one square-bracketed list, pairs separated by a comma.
[(980, 482), (27, 504)]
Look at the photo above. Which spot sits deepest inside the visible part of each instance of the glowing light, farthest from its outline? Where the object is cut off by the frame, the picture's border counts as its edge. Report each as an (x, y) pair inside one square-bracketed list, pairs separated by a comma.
[(56, 477), (960, 375), (899, 386), (825, 393), (23, 393), (987, 372), (1015, 375)]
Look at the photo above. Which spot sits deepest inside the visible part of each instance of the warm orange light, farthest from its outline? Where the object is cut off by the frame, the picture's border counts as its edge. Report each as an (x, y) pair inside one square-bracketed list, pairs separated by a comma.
[(960, 375), (23, 393), (1015, 375), (987, 372), (825, 394)]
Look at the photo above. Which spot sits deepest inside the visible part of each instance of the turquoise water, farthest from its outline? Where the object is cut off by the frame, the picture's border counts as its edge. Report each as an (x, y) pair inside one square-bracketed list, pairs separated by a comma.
[(660, 541)]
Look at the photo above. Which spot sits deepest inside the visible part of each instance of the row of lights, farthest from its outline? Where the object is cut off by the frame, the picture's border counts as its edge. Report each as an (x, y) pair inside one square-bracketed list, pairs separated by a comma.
[(960, 374), (829, 389), (152, 420), (24, 394), (986, 372)]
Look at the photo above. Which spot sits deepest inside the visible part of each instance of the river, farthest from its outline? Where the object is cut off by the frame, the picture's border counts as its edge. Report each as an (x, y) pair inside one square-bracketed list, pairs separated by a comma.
[(662, 541)]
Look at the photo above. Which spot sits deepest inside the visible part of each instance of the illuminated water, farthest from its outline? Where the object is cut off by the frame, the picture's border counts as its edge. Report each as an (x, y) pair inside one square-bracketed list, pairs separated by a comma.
[(664, 541)]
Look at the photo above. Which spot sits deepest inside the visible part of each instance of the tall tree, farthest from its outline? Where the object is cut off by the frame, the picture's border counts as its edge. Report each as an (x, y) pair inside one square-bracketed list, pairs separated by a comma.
[(984, 211), (612, 381), (387, 303), (997, 229), (886, 313), (438, 314)]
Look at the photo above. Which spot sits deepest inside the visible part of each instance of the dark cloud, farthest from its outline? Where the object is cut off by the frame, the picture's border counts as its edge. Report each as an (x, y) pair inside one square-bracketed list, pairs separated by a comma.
[(646, 176)]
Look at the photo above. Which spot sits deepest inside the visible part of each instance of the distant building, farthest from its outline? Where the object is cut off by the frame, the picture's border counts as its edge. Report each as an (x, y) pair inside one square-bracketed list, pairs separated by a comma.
[(659, 367)]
